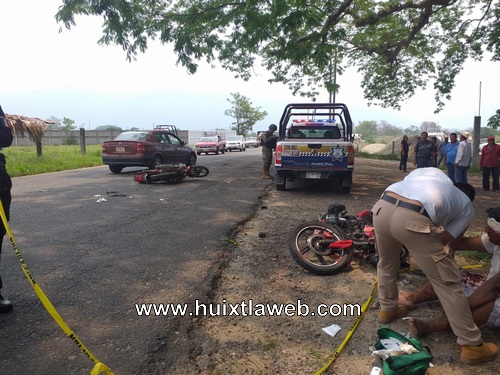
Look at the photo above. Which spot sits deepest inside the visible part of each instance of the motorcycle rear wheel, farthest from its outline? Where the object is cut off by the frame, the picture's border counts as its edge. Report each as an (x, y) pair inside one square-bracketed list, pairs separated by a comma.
[(307, 249), (198, 171)]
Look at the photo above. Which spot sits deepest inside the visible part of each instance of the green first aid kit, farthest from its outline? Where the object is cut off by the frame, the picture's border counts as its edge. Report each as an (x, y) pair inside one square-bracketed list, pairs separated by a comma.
[(400, 363)]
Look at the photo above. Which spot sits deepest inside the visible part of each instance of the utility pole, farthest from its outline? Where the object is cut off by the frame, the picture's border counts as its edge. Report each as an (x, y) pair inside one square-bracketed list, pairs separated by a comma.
[(477, 129)]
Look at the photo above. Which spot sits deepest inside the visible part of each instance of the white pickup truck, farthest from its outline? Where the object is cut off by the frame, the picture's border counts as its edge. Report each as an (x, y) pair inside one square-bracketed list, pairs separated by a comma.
[(315, 143)]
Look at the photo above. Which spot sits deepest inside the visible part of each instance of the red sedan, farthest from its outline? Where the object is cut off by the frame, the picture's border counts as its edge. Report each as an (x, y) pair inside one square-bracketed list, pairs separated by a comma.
[(145, 148)]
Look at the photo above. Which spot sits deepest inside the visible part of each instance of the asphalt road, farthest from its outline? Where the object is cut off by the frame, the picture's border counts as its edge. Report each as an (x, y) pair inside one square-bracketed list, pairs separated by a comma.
[(96, 260)]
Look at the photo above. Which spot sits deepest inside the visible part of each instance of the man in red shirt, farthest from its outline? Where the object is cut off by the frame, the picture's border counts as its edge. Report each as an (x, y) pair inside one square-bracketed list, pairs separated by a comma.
[(490, 164)]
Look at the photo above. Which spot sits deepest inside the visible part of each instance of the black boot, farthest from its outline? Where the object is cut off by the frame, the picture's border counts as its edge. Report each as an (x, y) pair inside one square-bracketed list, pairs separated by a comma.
[(5, 305)]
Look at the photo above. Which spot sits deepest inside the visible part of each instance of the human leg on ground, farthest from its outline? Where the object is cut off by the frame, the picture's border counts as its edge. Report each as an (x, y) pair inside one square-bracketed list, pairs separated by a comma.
[(481, 302)]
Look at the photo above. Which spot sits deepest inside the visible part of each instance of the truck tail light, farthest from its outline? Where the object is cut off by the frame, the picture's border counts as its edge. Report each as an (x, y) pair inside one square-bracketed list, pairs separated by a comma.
[(279, 151), (350, 155), (140, 149), (103, 148)]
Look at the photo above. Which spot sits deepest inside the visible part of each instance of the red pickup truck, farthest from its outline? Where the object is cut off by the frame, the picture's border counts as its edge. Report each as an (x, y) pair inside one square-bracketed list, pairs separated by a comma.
[(213, 143)]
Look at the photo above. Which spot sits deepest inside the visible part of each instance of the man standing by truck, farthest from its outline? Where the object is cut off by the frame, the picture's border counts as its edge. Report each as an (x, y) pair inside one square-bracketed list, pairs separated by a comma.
[(268, 143)]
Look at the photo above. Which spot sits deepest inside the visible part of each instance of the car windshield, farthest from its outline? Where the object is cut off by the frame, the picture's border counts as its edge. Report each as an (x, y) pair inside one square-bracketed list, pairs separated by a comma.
[(234, 139), (208, 139), (132, 136)]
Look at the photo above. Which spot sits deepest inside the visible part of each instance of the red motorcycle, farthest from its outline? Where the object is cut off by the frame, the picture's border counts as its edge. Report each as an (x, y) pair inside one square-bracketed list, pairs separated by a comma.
[(170, 173), (327, 246)]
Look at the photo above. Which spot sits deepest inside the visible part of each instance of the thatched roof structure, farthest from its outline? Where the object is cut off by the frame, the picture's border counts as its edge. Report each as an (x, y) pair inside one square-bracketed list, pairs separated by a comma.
[(21, 125)]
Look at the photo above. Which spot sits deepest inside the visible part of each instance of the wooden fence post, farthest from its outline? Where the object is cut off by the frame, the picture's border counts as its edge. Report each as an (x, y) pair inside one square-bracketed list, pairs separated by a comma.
[(82, 141)]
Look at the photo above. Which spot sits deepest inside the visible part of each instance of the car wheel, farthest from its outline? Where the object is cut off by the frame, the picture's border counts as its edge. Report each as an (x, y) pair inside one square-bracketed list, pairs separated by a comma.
[(156, 160), (192, 159), (115, 168), (198, 153)]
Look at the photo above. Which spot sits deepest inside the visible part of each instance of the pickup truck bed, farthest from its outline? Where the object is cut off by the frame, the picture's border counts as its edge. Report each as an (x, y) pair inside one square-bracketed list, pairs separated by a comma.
[(315, 144)]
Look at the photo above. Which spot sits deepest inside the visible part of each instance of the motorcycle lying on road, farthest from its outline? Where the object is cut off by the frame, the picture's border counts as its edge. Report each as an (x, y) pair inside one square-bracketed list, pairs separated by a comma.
[(170, 173), (327, 246)]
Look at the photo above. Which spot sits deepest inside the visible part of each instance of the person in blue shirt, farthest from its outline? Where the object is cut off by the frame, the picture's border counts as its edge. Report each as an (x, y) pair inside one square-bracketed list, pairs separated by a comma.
[(442, 146), (450, 154)]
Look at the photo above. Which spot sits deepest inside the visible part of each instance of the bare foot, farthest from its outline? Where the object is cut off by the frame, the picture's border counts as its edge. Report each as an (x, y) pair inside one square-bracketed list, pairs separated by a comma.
[(418, 328), (405, 300)]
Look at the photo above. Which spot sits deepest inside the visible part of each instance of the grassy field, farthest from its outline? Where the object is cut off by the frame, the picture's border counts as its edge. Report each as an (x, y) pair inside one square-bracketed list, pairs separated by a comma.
[(23, 161)]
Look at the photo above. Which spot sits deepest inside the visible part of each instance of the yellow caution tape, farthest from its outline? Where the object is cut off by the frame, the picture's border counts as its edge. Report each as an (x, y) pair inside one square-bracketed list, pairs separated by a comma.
[(230, 240), (472, 266), (99, 366), (351, 331)]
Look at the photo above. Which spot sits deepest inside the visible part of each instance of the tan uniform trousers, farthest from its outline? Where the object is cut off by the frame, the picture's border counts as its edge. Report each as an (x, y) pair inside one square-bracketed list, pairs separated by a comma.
[(397, 226)]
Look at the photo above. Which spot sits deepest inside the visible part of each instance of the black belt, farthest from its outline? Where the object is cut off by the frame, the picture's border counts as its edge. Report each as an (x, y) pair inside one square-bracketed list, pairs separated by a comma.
[(409, 206)]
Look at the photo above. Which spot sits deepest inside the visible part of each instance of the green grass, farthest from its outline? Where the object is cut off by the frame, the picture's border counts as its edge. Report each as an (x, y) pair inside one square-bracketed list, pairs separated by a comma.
[(478, 255), (367, 155), (23, 161)]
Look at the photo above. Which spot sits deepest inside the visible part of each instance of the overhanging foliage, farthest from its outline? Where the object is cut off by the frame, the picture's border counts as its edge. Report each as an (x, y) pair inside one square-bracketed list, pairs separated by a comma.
[(397, 45)]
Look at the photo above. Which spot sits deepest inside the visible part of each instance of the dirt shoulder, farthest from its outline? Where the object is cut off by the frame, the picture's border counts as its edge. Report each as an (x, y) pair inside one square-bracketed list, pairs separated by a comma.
[(262, 270)]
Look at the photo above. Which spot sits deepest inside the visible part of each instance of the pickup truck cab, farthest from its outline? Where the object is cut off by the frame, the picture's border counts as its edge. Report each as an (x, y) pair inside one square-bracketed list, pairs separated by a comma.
[(315, 143), (213, 143)]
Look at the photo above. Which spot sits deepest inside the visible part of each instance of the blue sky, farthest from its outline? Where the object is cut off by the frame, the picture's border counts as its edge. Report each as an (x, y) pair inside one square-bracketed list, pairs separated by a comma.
[(47, 73)]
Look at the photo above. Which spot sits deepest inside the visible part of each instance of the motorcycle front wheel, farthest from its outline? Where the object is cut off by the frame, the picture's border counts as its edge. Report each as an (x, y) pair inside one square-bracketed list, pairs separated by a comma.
[(309, 247), (198, 171)]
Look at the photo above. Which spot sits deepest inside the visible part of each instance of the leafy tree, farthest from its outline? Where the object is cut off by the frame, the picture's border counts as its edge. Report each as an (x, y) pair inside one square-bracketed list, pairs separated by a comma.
[(54, 123), (494, 121), (412, 129), (398, 46), (244, 113), (68, 124), (366, 129), (428, 126), (486, 131), (384, 128), (109, 128)]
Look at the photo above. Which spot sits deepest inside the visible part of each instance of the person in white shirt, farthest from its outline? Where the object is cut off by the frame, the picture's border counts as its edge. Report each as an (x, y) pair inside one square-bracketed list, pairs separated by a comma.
[(425, 213)]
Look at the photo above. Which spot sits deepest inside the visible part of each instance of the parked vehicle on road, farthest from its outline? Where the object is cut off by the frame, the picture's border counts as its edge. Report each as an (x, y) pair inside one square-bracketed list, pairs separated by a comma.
[(315, 143), (213, 143), (252, 142), (146, 148), (236, 142)]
